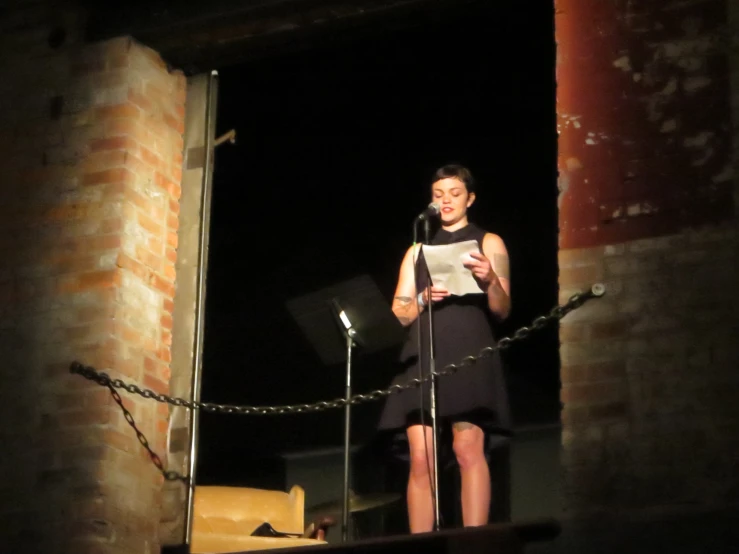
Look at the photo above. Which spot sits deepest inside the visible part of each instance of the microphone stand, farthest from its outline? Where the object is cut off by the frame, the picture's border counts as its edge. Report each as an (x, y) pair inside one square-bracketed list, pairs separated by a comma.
[(432, 372), (350, 335), (432, 382)]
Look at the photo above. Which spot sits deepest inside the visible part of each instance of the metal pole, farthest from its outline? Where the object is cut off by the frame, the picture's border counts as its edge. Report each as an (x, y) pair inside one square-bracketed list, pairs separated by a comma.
[(347, 428), (432, 373), (206, 193)]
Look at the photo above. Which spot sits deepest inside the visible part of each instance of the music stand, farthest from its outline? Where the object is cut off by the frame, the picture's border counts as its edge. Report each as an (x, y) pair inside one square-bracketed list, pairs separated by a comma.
[(337, 319)]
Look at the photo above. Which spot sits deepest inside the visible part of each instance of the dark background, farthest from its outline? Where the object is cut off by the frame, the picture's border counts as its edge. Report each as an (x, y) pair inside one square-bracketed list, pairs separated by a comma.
[(336, 145)]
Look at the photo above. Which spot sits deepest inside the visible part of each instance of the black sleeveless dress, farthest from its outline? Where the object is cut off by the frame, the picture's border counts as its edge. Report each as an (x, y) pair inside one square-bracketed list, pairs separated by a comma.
[(476, 394)]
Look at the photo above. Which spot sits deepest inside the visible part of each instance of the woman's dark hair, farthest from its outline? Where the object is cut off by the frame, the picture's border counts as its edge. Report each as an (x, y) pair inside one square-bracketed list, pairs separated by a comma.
[(455, 171)]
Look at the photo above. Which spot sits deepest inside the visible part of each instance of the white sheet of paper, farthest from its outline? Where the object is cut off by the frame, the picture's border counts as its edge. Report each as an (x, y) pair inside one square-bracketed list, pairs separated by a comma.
[(445, 266)]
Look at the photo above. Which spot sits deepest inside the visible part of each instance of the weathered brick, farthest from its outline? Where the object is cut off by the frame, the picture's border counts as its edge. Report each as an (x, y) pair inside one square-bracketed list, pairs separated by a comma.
[(74, 153), (574, 257), (142, 204), (175, 123), (169, 271), (129, 128), (64, 153), (129, 335), (119, 111), (592, 394), (165, 354), (148, 259), (609, 329), (166, 321), (169, 186), (608, 411), (155, 244), (582, 275), (572, 332), (655, 244), (175, 172), (90, 280), (137, 166), (117, 175), (670, 253), (136, 267), (149, 225), (152, 160), (162, 285), (111, 95), (631, 265), (113, 143), (84, 417), (155, 384), (96, 398), (172, 240), (574, 416), (98, 166)]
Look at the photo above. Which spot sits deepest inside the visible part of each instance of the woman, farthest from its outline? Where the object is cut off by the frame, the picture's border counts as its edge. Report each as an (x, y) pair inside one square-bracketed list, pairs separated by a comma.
[(473, 401)]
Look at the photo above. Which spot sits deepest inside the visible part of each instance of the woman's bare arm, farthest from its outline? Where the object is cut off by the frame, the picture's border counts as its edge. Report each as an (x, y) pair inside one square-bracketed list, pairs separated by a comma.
[(404, 303), (499, 288)]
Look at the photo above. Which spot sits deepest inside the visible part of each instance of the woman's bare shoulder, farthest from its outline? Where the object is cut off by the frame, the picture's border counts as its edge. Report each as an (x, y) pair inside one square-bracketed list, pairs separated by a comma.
[(493, 243)]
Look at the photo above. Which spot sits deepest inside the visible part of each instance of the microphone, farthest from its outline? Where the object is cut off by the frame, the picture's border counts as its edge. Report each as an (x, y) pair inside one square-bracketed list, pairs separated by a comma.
[(432, 210)]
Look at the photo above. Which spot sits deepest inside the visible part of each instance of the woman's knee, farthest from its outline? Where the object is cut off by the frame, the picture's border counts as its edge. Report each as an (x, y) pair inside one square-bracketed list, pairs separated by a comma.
[(469, 441), (420, 463), (420, 458)]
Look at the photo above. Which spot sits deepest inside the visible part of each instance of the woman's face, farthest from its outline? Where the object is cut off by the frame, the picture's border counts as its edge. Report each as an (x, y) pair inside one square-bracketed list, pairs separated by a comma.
[(451, 194)]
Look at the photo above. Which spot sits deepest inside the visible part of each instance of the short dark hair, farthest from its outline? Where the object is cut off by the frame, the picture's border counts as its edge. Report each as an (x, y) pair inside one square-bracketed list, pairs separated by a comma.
[(455, 171)]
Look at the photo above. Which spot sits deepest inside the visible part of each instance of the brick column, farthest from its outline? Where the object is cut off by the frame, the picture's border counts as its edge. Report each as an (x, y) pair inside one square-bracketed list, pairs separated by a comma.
[(91, 146), (647, 207)]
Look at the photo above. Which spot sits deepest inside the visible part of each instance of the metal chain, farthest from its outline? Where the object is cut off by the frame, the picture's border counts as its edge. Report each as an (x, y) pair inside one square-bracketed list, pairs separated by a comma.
[(168, 475), (558, 312)]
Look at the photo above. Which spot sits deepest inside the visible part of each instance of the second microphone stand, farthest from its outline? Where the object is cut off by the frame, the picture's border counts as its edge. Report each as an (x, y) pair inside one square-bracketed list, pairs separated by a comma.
[(432, 380)]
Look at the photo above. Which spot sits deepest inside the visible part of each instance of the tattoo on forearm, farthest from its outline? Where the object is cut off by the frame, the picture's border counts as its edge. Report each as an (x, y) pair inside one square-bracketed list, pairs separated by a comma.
[(501, 266), (403, 309)]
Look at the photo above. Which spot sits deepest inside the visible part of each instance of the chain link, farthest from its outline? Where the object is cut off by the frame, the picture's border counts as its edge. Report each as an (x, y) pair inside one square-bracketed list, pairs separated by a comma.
[(558, 312), (168, 475)]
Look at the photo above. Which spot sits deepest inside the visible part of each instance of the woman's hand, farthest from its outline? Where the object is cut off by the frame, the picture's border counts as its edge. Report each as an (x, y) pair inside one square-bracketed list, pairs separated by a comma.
[(482, 269), (437, 295)]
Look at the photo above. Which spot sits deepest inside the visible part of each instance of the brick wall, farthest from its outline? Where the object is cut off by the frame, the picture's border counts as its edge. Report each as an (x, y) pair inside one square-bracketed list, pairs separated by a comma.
[(90, 142), (648, 196)]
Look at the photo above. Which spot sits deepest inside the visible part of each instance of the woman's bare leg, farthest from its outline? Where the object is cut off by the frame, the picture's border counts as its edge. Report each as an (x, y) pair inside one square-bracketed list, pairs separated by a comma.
[(420, 500), (469, 441)]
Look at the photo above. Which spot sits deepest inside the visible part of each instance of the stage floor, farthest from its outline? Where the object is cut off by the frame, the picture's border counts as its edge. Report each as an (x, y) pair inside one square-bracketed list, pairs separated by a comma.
[(495, 539)]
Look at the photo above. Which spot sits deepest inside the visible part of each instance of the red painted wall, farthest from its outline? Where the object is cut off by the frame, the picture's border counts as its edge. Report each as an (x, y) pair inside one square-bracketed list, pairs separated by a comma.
[(643, 104)]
